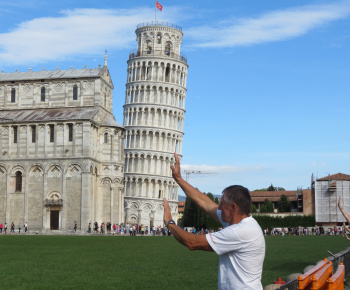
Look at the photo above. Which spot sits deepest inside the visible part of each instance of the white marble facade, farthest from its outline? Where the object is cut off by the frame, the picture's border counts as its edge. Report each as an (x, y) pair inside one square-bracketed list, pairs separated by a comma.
[(154, 113), (61, 150)]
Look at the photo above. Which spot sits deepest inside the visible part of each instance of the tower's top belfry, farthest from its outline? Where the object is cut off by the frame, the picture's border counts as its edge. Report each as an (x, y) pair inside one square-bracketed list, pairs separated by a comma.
[(159, 39)]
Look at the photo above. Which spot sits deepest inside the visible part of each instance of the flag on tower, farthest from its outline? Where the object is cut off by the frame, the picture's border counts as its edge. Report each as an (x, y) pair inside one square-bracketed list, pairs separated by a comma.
[(160, 7)]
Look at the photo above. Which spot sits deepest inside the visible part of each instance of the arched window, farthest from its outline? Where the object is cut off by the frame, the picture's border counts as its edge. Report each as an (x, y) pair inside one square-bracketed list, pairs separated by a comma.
[(43, 94), (13, 95), (149, 47), (167, 49), (167, 73), (75, 92), (159, 38), (70, 132), (15, 134), (33, 133), (18, 181), (106, 137), (52, 133)]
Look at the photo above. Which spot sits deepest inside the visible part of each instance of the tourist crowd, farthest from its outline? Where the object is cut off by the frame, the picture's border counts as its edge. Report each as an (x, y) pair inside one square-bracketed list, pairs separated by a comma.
[(4, 228), (305, 231), (126, 229)]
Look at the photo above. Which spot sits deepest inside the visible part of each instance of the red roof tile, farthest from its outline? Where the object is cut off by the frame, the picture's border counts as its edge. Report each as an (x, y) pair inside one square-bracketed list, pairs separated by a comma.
[(338, 176)]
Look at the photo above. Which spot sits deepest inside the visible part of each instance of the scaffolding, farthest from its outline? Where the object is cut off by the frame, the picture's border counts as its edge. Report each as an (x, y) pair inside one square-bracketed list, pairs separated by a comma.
[(327, 193)]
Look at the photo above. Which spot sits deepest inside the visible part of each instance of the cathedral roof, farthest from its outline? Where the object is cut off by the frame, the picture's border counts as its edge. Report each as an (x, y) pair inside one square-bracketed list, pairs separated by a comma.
[(55, 114), (109, 121), (54, 74)]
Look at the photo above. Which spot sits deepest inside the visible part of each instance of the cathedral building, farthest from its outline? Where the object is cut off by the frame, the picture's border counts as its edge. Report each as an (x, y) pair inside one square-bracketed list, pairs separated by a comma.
[(61, 150), (154, 113)]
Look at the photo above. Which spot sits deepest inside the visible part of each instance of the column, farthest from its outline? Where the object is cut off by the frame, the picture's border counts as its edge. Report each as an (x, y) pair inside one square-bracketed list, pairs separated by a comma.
[(85, 216), (152, 218), (26, 198), (129, 136), (112, 203), (139, 216), (93, 189), (112, 146), (55, 139), (121, 205), (151, 71), (126, 215), (7, 188), (44, 223), (138, 164), (131, 163)]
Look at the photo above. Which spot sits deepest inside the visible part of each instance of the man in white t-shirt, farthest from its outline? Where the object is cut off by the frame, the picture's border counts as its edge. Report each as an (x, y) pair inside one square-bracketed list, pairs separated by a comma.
[(240, 245)]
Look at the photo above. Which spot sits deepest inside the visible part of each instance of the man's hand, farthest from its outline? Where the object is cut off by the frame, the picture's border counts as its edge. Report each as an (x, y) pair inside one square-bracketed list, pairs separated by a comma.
[(176, 169), (167, 213)]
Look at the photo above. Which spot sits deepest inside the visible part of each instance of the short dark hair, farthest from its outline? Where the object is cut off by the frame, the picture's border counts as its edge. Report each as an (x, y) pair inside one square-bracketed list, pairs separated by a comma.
[(239, 195)]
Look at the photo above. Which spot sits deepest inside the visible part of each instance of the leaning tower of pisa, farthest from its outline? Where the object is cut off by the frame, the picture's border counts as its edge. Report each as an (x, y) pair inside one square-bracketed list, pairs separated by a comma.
[(154, 113)]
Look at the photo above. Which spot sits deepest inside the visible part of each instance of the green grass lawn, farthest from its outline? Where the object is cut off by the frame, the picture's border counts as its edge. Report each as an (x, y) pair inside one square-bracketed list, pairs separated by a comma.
[(94, 262)]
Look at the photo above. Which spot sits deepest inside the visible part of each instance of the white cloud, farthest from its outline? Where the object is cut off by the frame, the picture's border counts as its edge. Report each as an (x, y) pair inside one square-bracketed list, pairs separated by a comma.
[(219, 169), (274, 26), (76, 32)]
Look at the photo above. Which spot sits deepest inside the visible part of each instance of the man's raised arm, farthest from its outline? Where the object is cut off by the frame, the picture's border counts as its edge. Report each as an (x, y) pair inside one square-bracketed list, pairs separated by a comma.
[(202, 200)]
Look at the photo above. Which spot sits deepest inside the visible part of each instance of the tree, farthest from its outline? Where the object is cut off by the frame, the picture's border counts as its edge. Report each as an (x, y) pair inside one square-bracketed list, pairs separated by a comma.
[(189, 213), (271, 188), (267, 206), (210, 222), (195, 217), (283, 204), (254, 210)]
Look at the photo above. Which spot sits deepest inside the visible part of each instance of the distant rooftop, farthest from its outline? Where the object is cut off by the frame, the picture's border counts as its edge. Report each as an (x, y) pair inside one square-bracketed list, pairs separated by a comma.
[(338, 176), (166, 24), (55, 74)]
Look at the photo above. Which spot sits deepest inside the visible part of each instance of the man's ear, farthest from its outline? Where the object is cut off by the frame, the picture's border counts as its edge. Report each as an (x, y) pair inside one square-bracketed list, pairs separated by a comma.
[(234, 206)]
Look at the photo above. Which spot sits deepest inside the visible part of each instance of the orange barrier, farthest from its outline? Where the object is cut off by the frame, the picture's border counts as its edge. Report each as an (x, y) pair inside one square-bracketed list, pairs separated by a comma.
[(304, 281), (319, 280), (336, 282)]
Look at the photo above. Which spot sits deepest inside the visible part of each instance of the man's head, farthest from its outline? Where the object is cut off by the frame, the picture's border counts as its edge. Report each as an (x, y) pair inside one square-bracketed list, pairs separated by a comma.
[(239, 195)]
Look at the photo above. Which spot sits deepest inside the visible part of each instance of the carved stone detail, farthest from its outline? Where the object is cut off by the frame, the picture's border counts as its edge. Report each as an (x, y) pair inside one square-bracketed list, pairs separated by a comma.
[(74, 171), (55, 171), (58, 88), (36, 172)]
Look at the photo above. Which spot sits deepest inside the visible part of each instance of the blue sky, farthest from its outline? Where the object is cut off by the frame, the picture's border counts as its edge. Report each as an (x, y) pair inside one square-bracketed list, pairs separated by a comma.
[(268, 83)]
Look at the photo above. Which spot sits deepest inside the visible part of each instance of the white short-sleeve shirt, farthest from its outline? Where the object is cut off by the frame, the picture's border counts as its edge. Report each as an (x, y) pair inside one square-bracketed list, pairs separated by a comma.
[(241, 248)]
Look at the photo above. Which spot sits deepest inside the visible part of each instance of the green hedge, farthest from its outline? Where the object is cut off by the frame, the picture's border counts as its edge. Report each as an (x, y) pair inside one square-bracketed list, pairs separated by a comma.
[(266, 221)]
